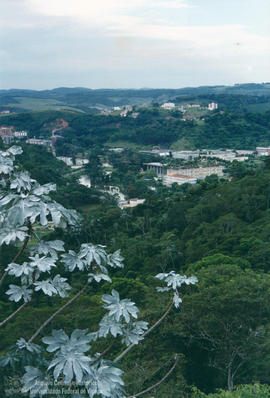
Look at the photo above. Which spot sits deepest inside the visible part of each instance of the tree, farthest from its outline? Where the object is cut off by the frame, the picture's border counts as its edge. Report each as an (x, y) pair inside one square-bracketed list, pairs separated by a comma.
[(25, 207), (227, 317)]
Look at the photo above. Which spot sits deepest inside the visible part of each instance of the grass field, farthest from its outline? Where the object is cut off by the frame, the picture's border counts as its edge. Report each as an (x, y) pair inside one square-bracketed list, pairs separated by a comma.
[(38, 104)]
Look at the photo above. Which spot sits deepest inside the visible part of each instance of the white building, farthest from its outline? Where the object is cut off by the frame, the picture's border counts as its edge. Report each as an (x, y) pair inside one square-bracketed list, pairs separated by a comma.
[(185, 155), (168, 106), (179, 179), (37, 141), (130, 203), (20, 134), (197, 172), (263, 151), (212, 106), (65, 159)]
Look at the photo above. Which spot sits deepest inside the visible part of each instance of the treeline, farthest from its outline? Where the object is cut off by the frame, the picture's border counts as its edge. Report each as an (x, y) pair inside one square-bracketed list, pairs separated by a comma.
[(218, 130)]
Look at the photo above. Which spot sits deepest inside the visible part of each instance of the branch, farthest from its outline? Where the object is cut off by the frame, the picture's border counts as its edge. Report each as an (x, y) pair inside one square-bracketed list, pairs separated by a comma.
[(57, 312), (101, 355), (16, 257), (13, 314), (145, 334), (159, 382)]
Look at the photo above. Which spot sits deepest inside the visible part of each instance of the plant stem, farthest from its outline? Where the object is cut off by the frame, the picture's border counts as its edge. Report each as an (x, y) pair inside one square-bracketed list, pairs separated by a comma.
[(57, 312), (13, 314), (145, 334), (159, 382), (26, 240), (101, 355)]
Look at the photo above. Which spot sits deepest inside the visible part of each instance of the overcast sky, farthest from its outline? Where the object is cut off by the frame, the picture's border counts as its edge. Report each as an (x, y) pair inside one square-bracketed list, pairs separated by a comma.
[(133, 43)]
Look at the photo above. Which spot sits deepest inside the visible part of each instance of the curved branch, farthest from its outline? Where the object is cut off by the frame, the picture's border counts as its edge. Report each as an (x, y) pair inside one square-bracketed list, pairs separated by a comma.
[(57, 312), (101, 355), (145, 334), (159, 382), (13, 314), (16, 257)]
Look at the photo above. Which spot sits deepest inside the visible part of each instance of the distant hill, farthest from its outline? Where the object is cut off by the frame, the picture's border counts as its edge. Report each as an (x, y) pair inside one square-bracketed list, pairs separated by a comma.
[(85, 99)]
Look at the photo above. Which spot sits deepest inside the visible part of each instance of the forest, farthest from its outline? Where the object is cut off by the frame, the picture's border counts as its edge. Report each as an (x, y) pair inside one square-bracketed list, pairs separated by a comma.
[(217, 229), (224, 129)]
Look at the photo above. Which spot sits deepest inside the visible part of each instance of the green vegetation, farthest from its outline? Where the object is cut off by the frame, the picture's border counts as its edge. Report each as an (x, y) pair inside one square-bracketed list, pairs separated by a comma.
[(217, 229)]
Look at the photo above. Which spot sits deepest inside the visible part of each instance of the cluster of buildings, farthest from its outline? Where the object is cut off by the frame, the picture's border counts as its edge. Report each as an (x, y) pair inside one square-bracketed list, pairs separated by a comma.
[(123, 111), (8, 134), (73, 163), (169, 106), (228, 154), (184, 174)]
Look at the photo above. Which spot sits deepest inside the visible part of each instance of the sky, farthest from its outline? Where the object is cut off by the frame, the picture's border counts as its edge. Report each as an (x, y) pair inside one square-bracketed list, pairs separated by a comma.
[(46, 44)]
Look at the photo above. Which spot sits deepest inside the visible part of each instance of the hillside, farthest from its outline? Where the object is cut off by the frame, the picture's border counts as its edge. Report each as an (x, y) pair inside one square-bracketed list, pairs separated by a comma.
[(83, 99)]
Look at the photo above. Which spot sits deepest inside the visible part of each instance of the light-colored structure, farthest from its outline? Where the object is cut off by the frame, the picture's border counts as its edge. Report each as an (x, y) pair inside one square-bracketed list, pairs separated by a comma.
[(179, 179), (37, 141), (130, 203), (197, 172), (159, 168), (185, 155), (212, 106), (263, 151), (65, 159), (20, 134), (168, 106)]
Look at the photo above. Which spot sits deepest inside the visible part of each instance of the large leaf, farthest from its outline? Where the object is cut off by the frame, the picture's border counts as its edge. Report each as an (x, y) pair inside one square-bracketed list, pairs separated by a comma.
[(93, 253), (19, 269), (34, 382), (21, 182), (16, 293), (43, 264), (61, 286), (104, 380), (115, 260), (119, 308), (72, 261), (8, 235), (70, 359), (50, 247), (46, 286)]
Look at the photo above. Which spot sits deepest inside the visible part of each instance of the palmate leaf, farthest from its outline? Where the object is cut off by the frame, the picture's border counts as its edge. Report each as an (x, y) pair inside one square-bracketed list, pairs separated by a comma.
[(99, 277), (119, 308), (14, 150), (22, 344), (93, 253), (58, 339), (41, 190), (132, 333), (109, 325), (19, 269), (78, 341), (21, 181), (115, 260), (35, 382), (71, 364), (46, 286), (61, 286), (43, 264), (70, 360), (175, 280), (8, 235), (16, 293), (6, 164), (50, 247), (105, 380), (72, 261)]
